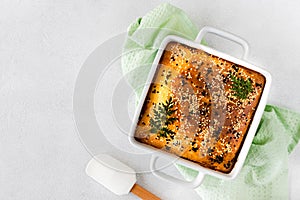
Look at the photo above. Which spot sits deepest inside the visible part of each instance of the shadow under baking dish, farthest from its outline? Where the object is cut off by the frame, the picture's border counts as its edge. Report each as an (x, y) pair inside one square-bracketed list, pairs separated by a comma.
[(199, 107)]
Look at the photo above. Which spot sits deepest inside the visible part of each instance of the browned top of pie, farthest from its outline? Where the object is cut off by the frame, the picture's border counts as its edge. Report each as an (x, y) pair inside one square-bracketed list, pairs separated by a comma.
[(199, 107)]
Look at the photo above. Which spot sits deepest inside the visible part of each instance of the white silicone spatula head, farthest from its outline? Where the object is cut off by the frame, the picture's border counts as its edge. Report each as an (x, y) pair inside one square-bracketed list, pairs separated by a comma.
[(116, 176), (111, 173)]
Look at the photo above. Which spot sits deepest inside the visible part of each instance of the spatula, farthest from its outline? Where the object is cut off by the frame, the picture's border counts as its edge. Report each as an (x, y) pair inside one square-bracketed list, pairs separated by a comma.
[(116, 177)]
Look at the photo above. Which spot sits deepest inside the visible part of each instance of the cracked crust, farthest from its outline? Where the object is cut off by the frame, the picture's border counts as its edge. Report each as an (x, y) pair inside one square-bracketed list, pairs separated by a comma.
[(211, 121)]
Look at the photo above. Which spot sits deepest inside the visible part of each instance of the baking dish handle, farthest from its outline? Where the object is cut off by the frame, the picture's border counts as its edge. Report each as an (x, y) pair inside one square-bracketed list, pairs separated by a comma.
[(226, 35), (191, 184)]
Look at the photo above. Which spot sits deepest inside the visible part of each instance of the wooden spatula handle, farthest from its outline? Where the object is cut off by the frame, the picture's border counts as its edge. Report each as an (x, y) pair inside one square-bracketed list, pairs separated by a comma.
[(143, 193)]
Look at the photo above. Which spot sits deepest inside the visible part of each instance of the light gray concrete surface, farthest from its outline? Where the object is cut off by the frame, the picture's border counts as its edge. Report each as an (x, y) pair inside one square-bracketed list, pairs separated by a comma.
[(42, 47)]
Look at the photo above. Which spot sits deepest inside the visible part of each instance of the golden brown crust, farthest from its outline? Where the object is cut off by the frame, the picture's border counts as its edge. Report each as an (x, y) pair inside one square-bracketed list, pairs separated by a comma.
[(192, 109)]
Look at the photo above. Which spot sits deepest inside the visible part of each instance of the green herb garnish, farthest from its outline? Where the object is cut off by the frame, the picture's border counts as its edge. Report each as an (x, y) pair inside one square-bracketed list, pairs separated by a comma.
[(241, 87), (162, 119)]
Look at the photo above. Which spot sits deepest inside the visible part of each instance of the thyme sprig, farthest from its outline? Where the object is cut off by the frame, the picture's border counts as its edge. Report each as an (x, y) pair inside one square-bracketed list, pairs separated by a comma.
[(162, 118), (241, 87)]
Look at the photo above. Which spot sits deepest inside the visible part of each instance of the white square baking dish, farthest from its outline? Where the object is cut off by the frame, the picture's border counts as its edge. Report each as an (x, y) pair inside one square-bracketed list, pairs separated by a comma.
[(241, 153)]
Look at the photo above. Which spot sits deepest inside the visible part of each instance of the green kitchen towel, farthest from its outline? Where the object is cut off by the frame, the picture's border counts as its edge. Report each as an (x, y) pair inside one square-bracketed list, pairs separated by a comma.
[(265, 172), (145, 36)]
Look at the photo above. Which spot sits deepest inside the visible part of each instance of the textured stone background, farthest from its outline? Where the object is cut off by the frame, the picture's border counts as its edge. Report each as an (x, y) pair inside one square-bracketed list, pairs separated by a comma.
[(42, 47)]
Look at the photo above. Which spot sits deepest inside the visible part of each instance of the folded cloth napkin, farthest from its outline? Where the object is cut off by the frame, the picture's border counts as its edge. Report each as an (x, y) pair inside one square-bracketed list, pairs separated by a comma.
[(265, 171), (144, 38)]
